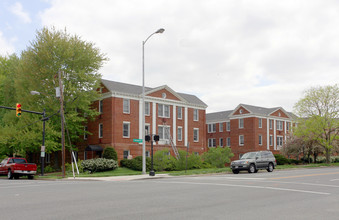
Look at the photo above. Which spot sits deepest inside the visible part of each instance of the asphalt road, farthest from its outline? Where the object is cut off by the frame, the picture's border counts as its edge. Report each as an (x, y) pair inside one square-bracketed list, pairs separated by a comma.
[(287, 194)]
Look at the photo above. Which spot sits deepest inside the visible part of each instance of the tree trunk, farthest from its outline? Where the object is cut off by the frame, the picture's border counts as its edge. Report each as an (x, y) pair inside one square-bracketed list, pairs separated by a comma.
[(328, 156)]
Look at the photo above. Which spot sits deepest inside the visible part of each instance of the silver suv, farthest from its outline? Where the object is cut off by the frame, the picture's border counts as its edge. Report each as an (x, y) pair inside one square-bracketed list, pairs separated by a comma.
[(254, 161)]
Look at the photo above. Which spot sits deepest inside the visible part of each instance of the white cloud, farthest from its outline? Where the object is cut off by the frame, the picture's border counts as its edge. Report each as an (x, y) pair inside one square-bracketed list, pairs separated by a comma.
[(226, 52), (6, 47), (18, 10)]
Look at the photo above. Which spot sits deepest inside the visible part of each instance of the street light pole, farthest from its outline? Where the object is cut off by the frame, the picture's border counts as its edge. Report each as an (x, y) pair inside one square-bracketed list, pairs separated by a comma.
[(160, 31), (42, 154)]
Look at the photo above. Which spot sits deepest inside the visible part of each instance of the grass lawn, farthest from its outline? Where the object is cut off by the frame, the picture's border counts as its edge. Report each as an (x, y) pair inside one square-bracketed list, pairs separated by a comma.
[(122, 171)]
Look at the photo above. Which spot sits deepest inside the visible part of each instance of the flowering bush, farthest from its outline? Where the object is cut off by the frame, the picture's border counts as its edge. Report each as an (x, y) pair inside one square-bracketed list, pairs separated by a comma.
[(99, 164)]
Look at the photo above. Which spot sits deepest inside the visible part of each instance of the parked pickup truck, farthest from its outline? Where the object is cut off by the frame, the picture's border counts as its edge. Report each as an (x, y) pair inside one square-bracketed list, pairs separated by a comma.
[(14, 167)]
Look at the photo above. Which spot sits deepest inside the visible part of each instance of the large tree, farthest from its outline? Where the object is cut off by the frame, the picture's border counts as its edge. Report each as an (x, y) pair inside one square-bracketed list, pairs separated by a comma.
[(318, 113), (37, 70)]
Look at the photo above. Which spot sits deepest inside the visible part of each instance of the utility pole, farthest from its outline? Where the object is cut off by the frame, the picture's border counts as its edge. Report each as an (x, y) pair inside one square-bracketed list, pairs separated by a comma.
[(62, 124)]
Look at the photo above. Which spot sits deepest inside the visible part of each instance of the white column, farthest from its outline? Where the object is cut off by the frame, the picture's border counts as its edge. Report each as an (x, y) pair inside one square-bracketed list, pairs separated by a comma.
[(186, 126), (154, 118), (268, 134), (140, 119), (285, 130), (275, 134), (174, 138)]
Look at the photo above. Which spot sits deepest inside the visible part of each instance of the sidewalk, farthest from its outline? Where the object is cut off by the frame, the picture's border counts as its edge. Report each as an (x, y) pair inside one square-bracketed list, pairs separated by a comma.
[(122, 178)]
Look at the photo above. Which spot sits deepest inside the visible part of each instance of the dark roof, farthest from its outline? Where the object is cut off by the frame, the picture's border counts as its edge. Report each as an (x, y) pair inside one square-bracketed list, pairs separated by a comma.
[(257, 110), (137, 90), (218, 116)]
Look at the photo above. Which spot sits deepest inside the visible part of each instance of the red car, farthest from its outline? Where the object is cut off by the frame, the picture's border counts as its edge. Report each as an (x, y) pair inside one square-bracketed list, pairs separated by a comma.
[(14, 167)]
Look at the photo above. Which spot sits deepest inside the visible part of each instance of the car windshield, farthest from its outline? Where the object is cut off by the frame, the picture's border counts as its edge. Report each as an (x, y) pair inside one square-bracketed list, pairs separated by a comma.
[(250, 155)]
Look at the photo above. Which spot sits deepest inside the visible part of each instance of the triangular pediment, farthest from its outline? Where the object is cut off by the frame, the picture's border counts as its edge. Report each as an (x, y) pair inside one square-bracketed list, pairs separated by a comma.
[(240, 110), (280, 112), (164, 92)]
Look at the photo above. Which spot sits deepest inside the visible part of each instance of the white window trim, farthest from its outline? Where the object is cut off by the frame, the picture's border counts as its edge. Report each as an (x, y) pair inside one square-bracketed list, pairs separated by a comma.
[(197, 111), (196, 129), (213, 128), (180, 115), (260, 123), (280, 126), (221, 140), (149, 108), (101, 135), (149, 130), (180, 139), (221, 127), (271, 123), (228, 128), (282, 140), (129, 128), (228, 144), (260, 139), (241, 144), (241, 126), (209, 141), (163, 111), (164, 129), (129, 106), (271, 140)]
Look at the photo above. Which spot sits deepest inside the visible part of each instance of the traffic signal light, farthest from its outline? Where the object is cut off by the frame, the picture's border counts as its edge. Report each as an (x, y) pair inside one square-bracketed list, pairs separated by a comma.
[(156, 137), (147, 138), (18, 109)]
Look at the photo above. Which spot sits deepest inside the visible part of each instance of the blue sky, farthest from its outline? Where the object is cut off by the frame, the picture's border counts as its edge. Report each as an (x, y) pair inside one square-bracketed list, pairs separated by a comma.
[(20, 20), (263, 53)]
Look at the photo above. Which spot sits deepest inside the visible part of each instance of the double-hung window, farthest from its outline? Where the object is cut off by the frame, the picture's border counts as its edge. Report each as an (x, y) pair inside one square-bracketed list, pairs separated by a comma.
[(101, 130), (126, 129), (179, 112), (163, 111), (279, 141), (196, 115), (228, 142), (212, 142), (260, 139), (241, 123), (279, 125), (126, 106), (211, 128), (147, 108), (179, 133), (228, 126), (221, 127), (196, 134), (260, 122), (221, 142), (163, 132), (241, 140)]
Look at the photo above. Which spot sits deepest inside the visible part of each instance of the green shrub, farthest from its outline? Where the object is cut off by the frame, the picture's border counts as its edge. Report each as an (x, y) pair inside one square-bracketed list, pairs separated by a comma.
[(281, 160), (99, 165), (68, 167), (218, 156), (164, 161), (110, 153), (136, 163), (294, 161), (49, 169)]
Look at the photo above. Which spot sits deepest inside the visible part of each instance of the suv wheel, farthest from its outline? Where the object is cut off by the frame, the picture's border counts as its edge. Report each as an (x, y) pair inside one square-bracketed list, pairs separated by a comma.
[(251, 169), (270, 167)]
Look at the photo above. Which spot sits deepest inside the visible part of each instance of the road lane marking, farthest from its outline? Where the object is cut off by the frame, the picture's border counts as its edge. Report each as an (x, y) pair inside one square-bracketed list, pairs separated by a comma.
[(299, 176), (334, 180), (246, 186)]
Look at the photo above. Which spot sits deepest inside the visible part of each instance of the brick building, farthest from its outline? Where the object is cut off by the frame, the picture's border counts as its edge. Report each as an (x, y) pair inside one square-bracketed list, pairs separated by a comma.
[(248, 128), (176, 117)]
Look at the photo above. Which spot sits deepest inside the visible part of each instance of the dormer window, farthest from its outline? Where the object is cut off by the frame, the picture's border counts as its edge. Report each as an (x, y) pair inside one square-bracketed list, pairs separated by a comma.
[(240, 111)]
